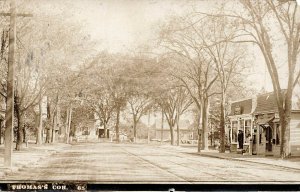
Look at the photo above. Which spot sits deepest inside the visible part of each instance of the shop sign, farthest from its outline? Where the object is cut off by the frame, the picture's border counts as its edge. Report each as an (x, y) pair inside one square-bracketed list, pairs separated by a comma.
[(238, 110)]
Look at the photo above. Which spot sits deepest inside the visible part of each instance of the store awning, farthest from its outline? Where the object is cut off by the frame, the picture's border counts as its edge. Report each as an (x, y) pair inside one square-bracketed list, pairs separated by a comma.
[(263, 121)]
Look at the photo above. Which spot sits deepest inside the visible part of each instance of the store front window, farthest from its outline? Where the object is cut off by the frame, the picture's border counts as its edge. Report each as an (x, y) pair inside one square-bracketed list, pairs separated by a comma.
[(228, 134), (234, 131), (242, 124), (247, 131)]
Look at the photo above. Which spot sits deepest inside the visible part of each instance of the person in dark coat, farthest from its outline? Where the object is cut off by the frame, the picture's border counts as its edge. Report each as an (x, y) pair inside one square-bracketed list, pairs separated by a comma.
[(240, 139)]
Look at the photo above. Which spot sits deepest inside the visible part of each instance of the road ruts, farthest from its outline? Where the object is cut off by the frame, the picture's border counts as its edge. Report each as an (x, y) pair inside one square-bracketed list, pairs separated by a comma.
[(135, 163)]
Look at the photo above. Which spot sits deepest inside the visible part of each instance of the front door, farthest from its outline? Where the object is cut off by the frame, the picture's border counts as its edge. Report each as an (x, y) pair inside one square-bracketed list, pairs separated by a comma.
[(269, 138)]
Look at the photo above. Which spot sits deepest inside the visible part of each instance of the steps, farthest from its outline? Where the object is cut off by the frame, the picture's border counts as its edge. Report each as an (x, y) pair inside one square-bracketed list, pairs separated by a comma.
[(239, 151)]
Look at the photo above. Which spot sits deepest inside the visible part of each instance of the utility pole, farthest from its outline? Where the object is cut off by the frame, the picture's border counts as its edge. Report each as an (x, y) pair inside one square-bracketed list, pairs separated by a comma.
[(9, 114)]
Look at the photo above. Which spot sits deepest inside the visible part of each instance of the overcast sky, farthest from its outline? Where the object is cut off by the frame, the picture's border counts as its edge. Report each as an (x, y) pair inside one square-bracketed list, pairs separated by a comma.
[(122, 25)]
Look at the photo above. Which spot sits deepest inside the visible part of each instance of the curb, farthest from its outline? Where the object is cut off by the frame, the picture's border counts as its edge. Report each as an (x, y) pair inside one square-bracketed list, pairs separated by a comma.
[(233, 159)]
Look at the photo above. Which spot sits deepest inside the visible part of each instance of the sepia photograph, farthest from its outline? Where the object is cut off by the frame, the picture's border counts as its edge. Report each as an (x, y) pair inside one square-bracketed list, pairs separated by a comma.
[(147, 95)]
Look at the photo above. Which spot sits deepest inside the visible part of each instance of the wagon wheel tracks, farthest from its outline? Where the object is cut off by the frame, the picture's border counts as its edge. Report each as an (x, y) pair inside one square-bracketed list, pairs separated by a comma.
[(156, 166)]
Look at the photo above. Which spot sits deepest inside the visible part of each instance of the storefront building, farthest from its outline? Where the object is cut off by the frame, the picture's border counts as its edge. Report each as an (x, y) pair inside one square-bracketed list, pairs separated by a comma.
[(260, 127), (240, 129), (268, 127)]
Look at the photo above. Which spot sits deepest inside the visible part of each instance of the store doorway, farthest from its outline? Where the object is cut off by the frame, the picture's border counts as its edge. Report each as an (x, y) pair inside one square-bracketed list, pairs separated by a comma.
[(269, 138)]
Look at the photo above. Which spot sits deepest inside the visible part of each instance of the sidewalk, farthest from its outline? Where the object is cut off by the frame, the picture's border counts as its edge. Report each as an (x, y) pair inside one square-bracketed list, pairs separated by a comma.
[(289, 163), (28, 156)]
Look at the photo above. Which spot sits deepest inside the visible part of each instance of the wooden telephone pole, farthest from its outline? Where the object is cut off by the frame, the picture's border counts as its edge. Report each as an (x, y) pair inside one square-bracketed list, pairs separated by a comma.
[(9, 115)]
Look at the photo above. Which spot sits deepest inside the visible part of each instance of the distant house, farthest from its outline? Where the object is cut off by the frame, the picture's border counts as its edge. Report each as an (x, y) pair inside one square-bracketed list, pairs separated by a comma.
[(257, 122), (99, 128), (85, 130)]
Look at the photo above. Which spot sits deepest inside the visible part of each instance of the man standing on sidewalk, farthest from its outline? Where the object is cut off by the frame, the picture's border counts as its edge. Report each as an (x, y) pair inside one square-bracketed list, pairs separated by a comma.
[(240, 139)]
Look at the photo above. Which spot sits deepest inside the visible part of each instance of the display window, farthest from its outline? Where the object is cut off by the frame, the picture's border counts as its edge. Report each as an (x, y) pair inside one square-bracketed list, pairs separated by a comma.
[(247, 131), (234, 131), (229, 133)]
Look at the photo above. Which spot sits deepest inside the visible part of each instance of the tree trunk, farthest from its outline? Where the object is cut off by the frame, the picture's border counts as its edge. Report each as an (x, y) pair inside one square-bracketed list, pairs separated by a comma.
[(172, 134), (199, 129), (54, 127), (49, 131), (66, 127), (55, 119), (171, 126), (36, 125), (134, 128), (222, 125), (105, 129), (39, 136), (204, 125), (117, 125), (48, 135), (19, 124), (285, 116), (134, 132), (53, 136), (49, 122), (68, 124), (285, 147), (148, 129), (24, 134), (19, 133), (178, 131), (58, 120), (162, 126)]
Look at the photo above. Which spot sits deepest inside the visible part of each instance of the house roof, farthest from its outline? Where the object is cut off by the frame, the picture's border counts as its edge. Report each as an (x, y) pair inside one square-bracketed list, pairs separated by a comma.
[(244, 105), (266, 103)]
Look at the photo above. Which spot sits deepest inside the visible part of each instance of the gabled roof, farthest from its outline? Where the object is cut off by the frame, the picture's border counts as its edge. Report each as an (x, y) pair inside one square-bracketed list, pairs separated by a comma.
[(263, 103), (244, 105), (266, 103)]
